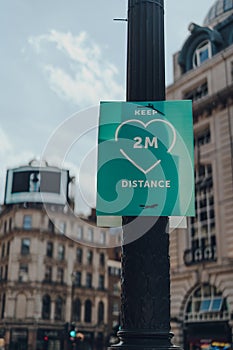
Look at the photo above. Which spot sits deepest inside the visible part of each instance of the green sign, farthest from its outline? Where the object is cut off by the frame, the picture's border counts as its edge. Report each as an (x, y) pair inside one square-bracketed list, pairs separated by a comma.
[(145, 159)]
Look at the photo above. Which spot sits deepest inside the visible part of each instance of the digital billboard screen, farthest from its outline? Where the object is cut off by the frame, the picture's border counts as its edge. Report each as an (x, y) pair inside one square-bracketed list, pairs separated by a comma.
[(34, 184)]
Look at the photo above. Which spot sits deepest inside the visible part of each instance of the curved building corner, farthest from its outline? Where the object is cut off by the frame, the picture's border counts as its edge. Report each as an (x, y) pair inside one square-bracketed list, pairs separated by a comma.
[(202, 254)]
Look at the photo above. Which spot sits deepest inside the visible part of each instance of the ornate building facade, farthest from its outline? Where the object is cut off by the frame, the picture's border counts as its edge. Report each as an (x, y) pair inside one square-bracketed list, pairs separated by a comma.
[(53, 267), (202, 254)]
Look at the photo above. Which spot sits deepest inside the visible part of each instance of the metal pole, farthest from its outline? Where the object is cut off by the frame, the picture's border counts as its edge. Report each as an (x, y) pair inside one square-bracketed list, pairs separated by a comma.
[(145, 56), (145, 301)]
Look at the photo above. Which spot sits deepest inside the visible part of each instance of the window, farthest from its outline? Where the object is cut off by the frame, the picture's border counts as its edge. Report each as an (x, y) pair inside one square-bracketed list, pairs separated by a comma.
[(102, 237), (227, 5), (25, 246), (46, 307), (202, 53), (89, 280), (203, 137), (115, 308), (6, 272), (8, 248), (23, 272), (80, 233), (89, 257), (48, 273), (205, 305), (100, 312), (216, 304), (206, 301), (196, 93), (102, 259), (3, 250), (10, 224), (27, 222), (60, 275), (90, 234), (62, 227), (88, 311), (61, 252), (3, 305), (23, 268), (79, 255), (114, 271), (116, 289), (78, 279), (58, 309), (51, 226), (77, 310), (202, 227), (49, 249), (101, 282)]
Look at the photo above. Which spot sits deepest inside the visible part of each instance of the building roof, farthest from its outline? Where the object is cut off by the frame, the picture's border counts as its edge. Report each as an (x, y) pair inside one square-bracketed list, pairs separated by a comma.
[(218, 12)]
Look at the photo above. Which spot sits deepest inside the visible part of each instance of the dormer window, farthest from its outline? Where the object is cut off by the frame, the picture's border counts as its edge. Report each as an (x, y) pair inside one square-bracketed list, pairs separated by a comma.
[(202, 53)]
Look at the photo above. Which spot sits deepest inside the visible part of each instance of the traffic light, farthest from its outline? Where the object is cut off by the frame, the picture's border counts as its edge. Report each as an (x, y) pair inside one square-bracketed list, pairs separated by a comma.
[(46, 342), (72, 332)]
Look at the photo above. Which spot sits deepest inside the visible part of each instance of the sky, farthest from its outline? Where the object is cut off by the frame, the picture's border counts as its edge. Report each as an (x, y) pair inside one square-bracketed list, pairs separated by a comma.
[(58, 60)]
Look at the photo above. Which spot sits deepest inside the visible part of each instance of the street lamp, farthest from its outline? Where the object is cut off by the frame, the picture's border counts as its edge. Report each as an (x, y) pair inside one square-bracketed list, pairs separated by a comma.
[(73, 280), (145, 302)]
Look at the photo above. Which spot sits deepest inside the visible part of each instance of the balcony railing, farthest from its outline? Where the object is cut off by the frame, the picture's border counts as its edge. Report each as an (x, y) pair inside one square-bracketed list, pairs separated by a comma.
[(200, 255), (208, 316)]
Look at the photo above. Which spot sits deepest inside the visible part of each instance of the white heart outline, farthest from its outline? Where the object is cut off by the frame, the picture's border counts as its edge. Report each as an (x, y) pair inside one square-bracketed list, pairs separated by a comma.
[(145, 126)]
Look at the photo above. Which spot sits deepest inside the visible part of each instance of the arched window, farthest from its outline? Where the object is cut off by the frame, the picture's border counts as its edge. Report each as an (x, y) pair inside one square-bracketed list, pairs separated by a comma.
[(101, 312), (77, 310), (88, 311), (202, 53), (206, 303), (58, 309), (46, 307)]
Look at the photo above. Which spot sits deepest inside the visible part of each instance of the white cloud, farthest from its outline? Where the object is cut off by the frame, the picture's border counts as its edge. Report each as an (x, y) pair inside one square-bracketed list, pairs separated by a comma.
[(91, 77)]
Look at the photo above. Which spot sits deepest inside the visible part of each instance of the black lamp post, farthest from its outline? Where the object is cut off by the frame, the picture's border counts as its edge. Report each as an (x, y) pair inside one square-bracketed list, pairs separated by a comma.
[(73, 280), (145, 262)]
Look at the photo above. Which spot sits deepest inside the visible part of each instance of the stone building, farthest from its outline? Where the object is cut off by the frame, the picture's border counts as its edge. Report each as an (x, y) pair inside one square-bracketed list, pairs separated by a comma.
[(53, 266), (114, 302), (202, 254)]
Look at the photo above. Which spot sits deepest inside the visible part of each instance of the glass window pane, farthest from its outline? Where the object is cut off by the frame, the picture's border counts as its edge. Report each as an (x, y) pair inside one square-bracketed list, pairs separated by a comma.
[(205, 304), (216, 304), (25, 246), (80, 233), (79, 255), (197, 292), (227, 5), (61, 252), (27, 222), (62, 227), (49, 250), (90, 235), (204, 55), (102, 237)]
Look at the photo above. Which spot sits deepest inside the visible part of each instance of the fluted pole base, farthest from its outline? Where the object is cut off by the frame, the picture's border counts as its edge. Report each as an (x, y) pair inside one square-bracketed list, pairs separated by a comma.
[(145, 280), (142, 340)]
